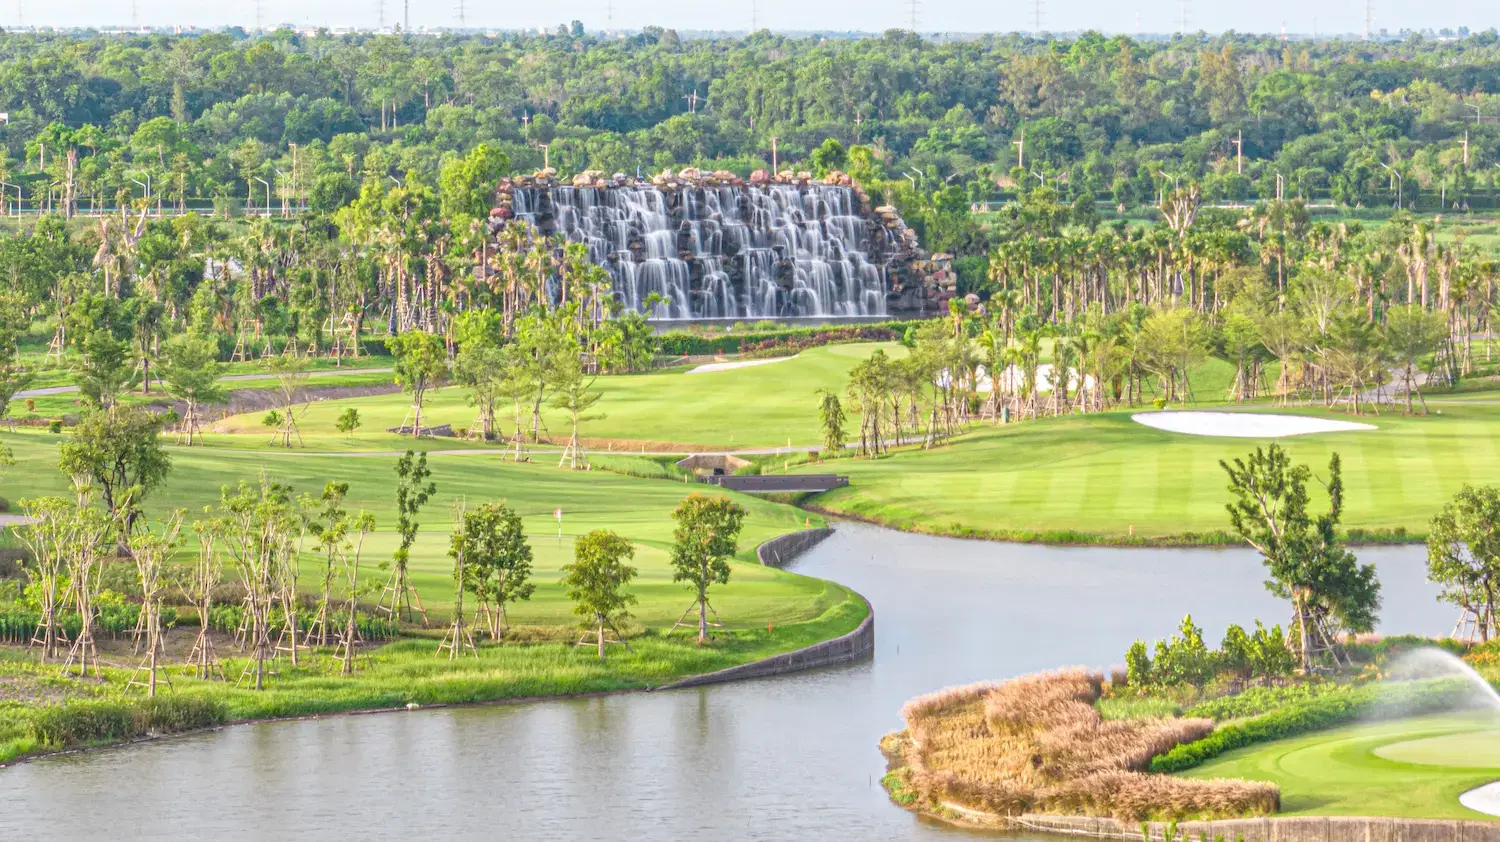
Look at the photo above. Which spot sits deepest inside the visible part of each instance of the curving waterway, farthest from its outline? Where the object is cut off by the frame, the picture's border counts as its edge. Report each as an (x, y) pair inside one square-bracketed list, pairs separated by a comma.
[(791, 758)]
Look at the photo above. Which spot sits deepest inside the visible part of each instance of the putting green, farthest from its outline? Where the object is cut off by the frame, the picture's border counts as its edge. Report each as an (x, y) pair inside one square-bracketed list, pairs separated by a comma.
[(1103, 475), (1466, 750), (1348, 771)]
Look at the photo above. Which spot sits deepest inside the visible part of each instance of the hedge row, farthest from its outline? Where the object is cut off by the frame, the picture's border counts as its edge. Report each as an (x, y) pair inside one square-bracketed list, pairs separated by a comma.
[(678, 343), (85, 722), (1328, 711)]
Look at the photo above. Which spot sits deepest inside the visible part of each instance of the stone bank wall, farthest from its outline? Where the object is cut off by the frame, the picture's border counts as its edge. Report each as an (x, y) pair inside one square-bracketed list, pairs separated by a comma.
[(854, 646), (1289, 829), (779, 552)]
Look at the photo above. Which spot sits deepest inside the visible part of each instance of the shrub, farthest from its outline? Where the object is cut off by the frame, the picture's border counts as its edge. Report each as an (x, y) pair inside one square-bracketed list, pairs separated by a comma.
[(55, 425), (84, 722)]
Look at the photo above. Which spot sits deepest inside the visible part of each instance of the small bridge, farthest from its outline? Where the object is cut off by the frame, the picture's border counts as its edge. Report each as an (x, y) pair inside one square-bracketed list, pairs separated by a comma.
[(778, 484)]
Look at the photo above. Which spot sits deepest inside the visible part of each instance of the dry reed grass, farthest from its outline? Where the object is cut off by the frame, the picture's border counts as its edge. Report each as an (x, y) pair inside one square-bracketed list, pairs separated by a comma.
[(1037, 744)]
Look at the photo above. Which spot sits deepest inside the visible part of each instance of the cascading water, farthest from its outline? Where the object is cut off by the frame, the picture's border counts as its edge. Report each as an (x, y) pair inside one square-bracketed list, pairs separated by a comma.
[(1435, 663), (722, 251)]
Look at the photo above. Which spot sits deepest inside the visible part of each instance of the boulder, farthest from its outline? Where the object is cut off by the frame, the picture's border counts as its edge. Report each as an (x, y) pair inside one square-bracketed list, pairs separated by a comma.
[(760, 177)]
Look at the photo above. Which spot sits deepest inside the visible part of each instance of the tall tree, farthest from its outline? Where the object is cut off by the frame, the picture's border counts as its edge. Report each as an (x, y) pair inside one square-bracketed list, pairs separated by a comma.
[(120, 453), (1309, 565), (1463, 554)]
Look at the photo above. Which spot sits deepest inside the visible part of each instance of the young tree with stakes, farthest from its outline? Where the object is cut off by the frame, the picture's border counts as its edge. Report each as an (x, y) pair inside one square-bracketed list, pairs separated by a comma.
[(207, 573), (1463, 555), (120, 453), (150, 551), (190, 369), (54, 529), (259, 526), (497, 560), (290, 372), (458, 640), (331, 529), (364, 524), (1307, 562), (421, 362), (412, 493), (596, 581), (702, 544), (576, 397)]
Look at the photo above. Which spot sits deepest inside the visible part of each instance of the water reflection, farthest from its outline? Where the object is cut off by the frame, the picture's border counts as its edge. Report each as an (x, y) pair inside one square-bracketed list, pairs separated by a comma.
[(790, 758)]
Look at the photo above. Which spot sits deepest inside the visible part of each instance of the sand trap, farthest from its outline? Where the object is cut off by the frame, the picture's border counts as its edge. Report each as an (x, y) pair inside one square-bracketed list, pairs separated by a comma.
[(704, 369), (1244, 425), (1485, 799)]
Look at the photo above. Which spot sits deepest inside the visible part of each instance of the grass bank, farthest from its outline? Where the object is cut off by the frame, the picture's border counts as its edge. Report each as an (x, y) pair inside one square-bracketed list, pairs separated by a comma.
[(407, 672)]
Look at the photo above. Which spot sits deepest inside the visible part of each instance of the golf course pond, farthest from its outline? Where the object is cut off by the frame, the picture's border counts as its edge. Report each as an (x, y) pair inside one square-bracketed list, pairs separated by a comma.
[(793, 757)]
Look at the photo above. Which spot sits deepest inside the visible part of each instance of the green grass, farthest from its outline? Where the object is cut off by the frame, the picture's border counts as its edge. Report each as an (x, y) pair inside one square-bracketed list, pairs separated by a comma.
[(639, 509), (1343, 772), (1097, 477), (757, 406), (411, 672)]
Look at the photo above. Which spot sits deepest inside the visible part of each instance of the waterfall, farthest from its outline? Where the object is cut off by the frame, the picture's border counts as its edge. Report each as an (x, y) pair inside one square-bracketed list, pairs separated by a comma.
[(719, 251)]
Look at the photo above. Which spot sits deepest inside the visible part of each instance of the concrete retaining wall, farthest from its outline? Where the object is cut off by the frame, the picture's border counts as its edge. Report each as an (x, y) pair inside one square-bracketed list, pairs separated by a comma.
[(854, 646), (779, 552), (1318, 829)]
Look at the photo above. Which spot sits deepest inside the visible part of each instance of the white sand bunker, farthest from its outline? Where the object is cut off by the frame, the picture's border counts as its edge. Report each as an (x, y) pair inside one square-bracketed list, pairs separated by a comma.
[(1485, 799), (704, 369), (1244, 425)]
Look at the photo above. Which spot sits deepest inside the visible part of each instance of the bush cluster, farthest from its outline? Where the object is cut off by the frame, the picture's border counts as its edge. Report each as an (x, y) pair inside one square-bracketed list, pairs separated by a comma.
[(1323, 711), (679, 343), (1186, 660)]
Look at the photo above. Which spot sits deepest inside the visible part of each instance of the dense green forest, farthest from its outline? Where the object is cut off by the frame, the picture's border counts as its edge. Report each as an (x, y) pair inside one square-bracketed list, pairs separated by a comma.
[(394, 145), (206, 116)]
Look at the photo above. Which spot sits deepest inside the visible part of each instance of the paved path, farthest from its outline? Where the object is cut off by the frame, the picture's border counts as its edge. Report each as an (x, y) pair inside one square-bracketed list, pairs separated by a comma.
[(232, 378)]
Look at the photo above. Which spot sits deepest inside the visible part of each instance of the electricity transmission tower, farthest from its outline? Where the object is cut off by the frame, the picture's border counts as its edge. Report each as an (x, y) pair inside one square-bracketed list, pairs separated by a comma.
[(1183, 26), (914, 16), (1369, 17), (1036, 15)]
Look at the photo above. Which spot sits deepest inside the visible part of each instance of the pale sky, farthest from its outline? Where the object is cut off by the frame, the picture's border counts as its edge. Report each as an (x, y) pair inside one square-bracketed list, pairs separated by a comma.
[(1299, 16)]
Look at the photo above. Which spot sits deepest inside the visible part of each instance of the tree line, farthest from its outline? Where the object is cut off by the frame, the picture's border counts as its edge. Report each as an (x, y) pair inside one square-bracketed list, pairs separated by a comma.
[(263, 537)]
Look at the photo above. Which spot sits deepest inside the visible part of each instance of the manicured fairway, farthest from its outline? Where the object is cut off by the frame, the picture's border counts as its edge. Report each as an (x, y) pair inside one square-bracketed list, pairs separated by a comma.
[(756, 406), (638, 509), (1101, 475), (1412, 767)]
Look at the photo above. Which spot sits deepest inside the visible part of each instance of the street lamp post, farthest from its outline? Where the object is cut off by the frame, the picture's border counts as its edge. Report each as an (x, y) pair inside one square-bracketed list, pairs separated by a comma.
[(268, 194), (1400, 185), (146, 185)]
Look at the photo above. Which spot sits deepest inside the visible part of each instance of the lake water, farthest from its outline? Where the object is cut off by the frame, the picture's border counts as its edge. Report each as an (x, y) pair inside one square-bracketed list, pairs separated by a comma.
[(790, 758)]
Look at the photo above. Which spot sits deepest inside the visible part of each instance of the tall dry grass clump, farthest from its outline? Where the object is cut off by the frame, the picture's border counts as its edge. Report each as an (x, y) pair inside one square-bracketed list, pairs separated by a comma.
[(1037, 744)]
